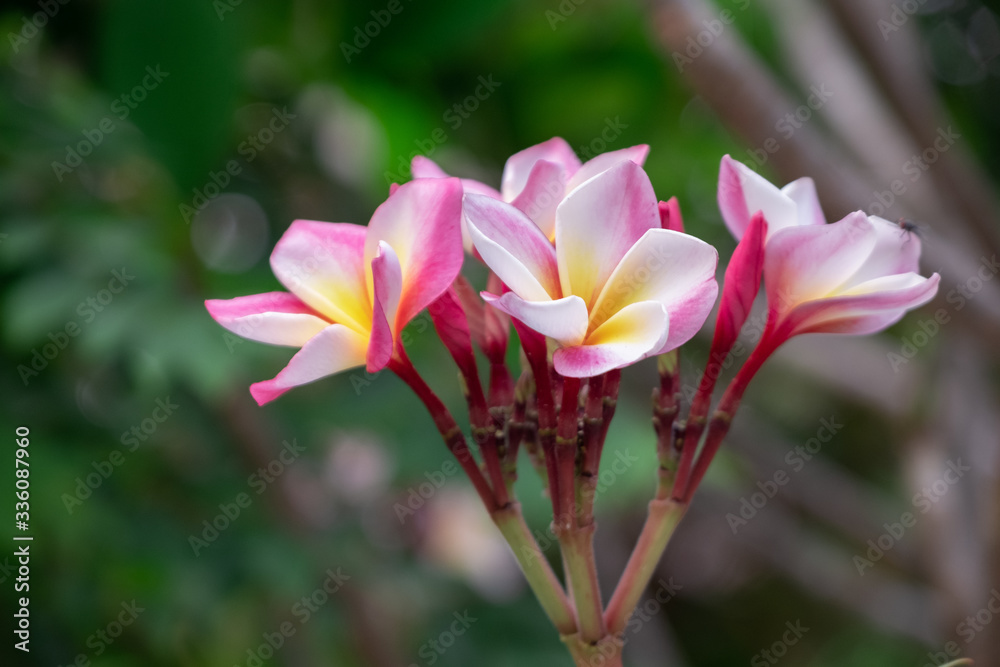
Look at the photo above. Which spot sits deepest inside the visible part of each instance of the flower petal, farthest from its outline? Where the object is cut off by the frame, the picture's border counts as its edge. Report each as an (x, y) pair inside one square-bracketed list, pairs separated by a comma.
[(670, 215), (597, 224), (743, 192), (513, 247), (741, 285), (542, 192), (421, 222), (564, 320), (803, 192), (278, 318), (867, 308), (387, 280), (806, 263), (896, 251), (334, 349), (605, 161), (424, 167), (519, 165), (674, 269), (635, 332), (322, 264)]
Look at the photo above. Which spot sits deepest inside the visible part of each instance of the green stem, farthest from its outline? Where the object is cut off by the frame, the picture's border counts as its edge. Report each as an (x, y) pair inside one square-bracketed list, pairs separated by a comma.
[(662, 520), (536, 568), (577, 545), (605, 653)]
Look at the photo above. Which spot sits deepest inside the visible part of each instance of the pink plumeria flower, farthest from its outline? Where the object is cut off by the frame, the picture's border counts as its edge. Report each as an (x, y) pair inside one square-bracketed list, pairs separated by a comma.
[(352, 288), (858, 275), (537, 179), (614, 288)]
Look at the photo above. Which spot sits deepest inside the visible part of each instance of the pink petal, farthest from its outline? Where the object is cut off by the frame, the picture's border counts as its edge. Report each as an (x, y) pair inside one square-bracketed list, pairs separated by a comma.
[(278, 318), (564, 320), (322, 264), (743, 192), (605, 161), (519, 165), (424, 167), (334, 349), (869, 307), (387, 284), (670, 215), (671, 268), (421, 222), (543, 191), (452, 325), (896, 251), (741, 286), (806, 263), (803, 193), (598, 223), (634, 333), (513, 247)]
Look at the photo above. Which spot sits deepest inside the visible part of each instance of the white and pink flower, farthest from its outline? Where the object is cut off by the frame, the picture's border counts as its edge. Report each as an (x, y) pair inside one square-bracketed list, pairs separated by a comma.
[(352, 288), (614, 287), (536, 179), (858, 275)]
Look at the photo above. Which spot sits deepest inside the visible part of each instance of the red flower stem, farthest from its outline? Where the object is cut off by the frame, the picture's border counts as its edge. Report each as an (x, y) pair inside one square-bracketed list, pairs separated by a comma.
[(535, 349), (591, 449), (453, 438), (666, 405), (566, 449), (612, 381)]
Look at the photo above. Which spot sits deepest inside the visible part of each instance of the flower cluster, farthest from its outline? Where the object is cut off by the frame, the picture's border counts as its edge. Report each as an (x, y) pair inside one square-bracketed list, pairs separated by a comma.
[(595, 274)]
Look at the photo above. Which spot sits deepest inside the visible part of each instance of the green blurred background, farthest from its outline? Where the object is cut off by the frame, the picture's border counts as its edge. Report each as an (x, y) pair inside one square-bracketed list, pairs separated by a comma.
[(313, 119)]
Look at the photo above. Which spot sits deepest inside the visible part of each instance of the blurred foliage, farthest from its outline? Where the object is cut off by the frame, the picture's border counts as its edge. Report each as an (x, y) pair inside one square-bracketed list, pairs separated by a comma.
[(229, 66)]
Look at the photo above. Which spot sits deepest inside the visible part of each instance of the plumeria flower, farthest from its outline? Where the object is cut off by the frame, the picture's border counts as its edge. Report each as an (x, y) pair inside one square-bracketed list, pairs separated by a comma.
[(352, 288), (858, 275), (614, 288), (537, 179)]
